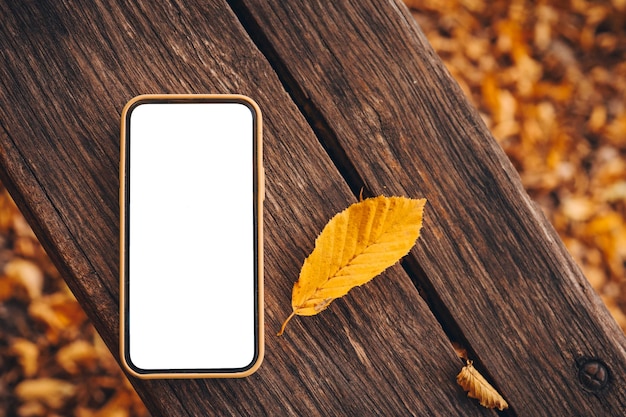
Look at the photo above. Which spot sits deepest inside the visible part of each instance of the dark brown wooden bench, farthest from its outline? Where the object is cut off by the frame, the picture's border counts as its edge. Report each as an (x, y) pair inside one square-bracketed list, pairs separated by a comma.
[(353, 98)]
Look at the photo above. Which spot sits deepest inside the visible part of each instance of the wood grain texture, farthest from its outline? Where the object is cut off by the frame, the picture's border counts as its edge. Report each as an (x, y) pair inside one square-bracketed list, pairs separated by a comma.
[(66, 72), (496, 272)]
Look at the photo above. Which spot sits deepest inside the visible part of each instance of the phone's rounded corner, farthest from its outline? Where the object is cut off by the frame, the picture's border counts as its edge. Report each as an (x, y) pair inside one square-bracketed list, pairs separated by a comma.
[(124, 119), (128, 369), (247, 370), (247, 101), (260, 358), (136, 372), (127, 365), (125, 360), (132, 102), (136, 101), (252, 368)]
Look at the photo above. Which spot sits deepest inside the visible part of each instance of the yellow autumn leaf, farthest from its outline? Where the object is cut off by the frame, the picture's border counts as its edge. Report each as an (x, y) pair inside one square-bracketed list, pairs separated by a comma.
[(477, 386), (355, 246)]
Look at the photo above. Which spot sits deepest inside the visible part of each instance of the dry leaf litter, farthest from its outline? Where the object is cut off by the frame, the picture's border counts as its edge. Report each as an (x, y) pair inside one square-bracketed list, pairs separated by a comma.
[(477, 386), (52, 360), (549, 78)]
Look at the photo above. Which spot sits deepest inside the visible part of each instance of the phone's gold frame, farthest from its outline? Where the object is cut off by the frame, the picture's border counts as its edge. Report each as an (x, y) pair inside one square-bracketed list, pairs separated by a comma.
[(259, 197)]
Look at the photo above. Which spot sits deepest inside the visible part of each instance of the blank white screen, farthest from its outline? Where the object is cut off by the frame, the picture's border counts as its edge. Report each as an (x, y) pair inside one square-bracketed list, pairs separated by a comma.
[(191, 236)]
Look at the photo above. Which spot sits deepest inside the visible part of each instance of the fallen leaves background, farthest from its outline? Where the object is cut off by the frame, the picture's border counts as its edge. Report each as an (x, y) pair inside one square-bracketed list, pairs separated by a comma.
[(52, 360), (549, 78)]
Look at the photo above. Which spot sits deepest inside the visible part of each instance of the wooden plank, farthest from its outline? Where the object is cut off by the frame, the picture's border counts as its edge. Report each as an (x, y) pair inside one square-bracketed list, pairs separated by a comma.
[(66, 72), (496, 273)]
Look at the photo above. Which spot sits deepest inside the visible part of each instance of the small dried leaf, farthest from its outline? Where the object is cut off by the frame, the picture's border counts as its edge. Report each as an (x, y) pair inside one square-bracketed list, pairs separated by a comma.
[(27, 354), (49, 391), (355, 246), (478, 387), (27, 274), (32, 409), (59, 312), (118, 406), (76, 356)]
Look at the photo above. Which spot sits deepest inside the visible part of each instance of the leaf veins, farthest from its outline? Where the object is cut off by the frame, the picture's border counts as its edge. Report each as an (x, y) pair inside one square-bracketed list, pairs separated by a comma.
[(355, 246), (477, 386)]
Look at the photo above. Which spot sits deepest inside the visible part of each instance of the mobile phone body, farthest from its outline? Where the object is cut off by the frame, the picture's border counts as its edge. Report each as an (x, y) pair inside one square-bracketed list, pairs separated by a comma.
[(191, 236)]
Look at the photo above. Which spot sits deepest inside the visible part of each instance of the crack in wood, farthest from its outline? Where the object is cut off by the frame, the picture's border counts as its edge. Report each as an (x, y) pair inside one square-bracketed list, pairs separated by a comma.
[(325, 135), (358, 185), (348, 171)]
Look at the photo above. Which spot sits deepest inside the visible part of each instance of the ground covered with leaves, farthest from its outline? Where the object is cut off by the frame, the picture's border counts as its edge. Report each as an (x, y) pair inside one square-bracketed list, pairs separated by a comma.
[(549, 78), (52, 361)]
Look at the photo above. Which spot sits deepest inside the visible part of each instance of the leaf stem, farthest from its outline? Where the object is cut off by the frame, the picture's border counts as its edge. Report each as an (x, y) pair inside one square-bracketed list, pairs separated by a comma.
[(282, 328)]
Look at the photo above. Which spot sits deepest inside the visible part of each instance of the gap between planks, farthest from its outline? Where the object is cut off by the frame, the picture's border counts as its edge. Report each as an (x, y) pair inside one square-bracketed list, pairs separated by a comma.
[(328, 140)]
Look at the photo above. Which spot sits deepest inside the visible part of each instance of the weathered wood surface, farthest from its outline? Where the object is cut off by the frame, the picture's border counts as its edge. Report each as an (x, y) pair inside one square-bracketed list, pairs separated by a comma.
[(496, 270), (66, 74), (367, 93)]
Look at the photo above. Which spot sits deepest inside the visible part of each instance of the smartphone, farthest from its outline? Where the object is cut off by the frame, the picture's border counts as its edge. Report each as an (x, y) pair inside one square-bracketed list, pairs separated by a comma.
[(191, 236)]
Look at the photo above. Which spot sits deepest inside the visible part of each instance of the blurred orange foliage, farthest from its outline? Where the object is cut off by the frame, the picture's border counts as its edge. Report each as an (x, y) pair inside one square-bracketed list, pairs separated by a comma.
[(53, 362), (549, 78)]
